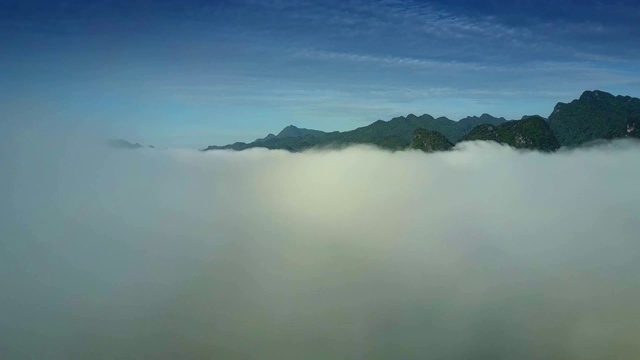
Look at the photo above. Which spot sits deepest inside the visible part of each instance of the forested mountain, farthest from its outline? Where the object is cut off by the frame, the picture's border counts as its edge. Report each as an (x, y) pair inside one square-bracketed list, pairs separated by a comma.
[(595, 115), (395, 134), (430, 141), (292, 131), (532, 133), (633, 126)]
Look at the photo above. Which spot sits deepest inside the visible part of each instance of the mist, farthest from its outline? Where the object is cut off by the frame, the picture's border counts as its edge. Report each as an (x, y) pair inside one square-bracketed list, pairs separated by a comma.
[(483, 252)]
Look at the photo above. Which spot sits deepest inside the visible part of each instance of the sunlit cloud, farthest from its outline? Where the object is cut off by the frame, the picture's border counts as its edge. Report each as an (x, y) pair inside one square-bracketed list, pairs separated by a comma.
[(353, 253)]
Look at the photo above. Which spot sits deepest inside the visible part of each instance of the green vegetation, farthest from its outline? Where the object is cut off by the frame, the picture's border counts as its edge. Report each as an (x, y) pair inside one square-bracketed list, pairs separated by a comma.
[(395, 134), (633, 126), (532, 132), (430, 141), (596, 115), (292, 131)]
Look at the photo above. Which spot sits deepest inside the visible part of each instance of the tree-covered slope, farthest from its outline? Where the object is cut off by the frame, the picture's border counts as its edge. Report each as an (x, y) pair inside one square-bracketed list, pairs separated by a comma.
[(595, 115), (429, 141), (296, 132), (531, 133), (395, 134), (633, 126), (290, 138), (470, 122)]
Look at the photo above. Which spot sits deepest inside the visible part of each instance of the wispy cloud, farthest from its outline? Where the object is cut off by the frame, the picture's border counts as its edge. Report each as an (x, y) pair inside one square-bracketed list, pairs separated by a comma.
[(388, 60), (274, 61), (407, 28), (596, 66)]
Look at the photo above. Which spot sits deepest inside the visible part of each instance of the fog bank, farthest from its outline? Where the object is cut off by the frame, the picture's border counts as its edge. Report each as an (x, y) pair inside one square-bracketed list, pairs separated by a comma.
[(483, 252)]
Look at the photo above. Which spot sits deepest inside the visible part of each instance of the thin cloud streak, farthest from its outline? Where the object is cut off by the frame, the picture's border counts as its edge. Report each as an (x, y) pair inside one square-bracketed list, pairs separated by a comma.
[(153, 68)]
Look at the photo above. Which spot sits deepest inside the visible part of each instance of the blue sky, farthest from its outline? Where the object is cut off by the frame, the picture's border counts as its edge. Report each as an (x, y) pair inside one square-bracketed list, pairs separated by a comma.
[(195, 73)]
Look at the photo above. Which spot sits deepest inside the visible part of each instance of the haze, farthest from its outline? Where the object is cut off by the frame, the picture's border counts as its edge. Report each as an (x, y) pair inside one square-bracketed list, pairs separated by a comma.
[(483, 252)]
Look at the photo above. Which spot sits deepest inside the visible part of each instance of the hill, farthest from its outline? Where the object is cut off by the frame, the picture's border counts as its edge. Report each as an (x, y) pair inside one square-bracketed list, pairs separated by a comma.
[(123, 144), (595, 115), (429, 141), (532, 133), (395, 134), (296, 132)]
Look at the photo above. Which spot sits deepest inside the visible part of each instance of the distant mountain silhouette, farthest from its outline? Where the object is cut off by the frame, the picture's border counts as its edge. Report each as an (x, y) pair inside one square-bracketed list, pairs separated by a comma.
[(595, 115), (395, 134), (123, 144)]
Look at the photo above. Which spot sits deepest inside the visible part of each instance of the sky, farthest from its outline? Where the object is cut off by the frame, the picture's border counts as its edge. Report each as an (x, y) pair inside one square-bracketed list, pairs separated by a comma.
[(196, 73)]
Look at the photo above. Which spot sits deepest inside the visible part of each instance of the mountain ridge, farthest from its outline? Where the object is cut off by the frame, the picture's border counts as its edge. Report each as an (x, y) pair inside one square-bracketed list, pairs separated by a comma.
[(394, 134), (594, 115), (532, 133)]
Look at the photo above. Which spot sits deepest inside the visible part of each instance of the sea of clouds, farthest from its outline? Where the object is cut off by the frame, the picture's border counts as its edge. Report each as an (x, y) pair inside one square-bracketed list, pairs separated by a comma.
[(484, 252)]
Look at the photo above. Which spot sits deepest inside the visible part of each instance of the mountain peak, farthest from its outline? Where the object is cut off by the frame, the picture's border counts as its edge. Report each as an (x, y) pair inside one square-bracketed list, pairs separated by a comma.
[(123, 144), (294, 131), (429, 141), (470, 122), (268, 137), (531, 133), (595, 115), (594, 95), (289, 130), (525, 117)]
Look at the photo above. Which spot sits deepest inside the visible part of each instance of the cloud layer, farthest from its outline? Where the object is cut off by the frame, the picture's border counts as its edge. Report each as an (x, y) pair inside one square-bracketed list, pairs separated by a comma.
[(483, 252)]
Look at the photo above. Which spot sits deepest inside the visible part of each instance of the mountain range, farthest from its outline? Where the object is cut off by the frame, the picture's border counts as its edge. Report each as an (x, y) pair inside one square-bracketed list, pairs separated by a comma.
[(395, 134), (595, 115), (532, 132), (124, 144)]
